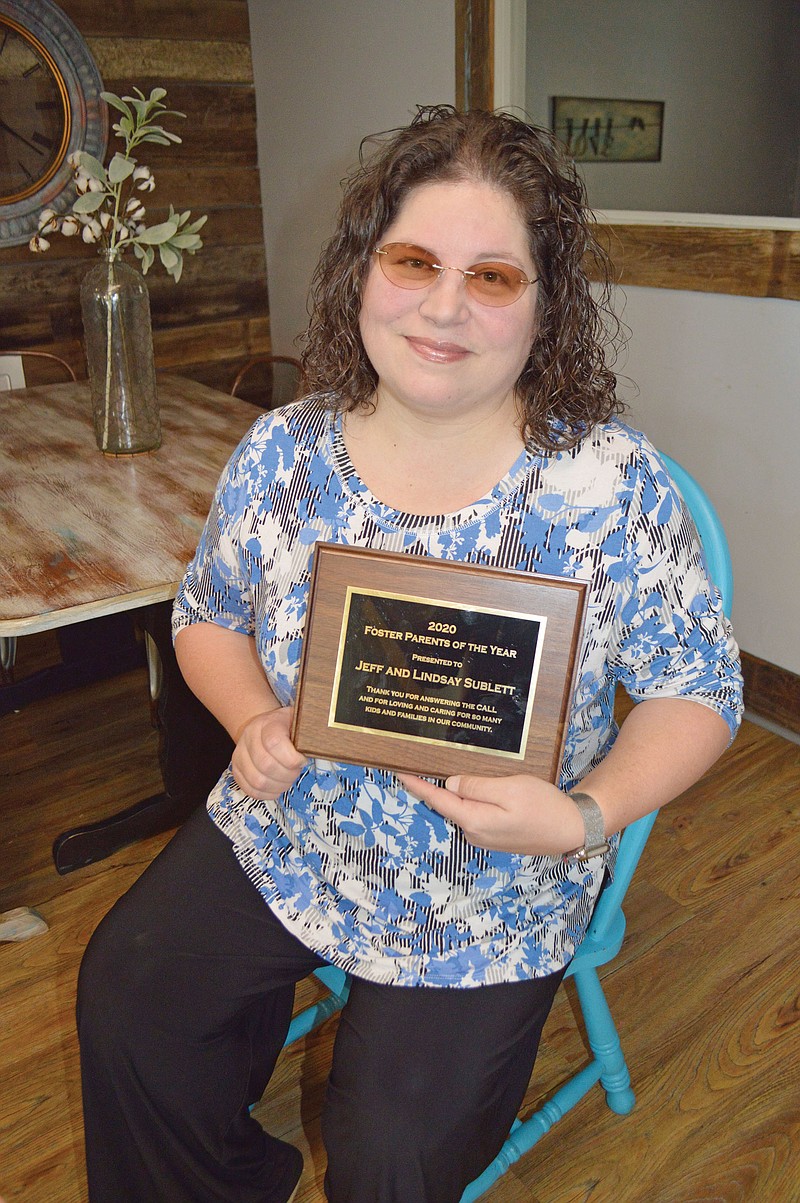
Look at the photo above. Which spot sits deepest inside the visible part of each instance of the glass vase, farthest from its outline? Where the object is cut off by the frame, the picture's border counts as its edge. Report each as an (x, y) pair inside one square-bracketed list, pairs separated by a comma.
[(119, 354)]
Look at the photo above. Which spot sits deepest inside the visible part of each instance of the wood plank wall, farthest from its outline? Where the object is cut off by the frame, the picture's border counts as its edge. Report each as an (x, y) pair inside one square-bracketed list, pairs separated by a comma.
[(218, 315)]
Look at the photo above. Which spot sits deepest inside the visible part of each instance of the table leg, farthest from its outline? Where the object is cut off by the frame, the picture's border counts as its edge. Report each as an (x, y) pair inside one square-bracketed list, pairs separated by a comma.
[(193, 751)]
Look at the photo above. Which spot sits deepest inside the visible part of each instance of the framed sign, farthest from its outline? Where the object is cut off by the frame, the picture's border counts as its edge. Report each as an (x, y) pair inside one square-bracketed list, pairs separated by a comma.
[(436, 667), (609, 131)]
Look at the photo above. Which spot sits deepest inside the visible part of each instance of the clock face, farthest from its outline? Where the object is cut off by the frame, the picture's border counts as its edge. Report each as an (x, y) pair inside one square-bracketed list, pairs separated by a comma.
[(50, 107), (34, 113)]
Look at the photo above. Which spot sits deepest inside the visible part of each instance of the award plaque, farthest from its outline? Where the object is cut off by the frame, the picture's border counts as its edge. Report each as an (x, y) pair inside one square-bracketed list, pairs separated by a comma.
[(436, 667)]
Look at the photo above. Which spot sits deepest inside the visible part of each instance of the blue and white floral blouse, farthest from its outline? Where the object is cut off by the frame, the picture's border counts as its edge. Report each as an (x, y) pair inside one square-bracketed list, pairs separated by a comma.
[(358, 869)]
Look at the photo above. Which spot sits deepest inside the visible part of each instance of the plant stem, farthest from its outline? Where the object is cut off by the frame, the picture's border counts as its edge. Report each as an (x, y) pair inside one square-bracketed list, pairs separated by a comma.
[(107, 406)]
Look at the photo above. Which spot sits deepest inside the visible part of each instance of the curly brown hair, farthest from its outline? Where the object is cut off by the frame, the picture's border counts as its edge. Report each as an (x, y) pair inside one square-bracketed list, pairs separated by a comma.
[(566, 386)]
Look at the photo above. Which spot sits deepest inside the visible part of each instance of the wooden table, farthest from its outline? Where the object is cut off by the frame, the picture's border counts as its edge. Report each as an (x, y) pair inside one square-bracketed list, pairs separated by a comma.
[(85, 534)]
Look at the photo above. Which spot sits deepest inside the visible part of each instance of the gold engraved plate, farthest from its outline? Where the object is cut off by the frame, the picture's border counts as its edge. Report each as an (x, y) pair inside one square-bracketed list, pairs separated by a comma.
[(436, 667)]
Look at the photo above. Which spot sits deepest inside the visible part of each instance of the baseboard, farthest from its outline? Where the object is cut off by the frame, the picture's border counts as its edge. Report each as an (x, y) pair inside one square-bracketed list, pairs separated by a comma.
[(772, 692)]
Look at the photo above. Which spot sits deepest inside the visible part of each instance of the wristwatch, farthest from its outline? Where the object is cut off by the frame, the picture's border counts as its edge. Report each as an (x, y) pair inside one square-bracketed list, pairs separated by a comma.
[(595, 842)]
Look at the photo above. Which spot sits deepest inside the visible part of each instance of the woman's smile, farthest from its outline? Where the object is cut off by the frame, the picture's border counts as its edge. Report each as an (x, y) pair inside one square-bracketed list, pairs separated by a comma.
[(437, 352)]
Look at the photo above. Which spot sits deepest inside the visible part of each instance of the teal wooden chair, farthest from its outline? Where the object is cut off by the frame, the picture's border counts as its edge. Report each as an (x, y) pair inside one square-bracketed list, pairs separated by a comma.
[(606, 931)]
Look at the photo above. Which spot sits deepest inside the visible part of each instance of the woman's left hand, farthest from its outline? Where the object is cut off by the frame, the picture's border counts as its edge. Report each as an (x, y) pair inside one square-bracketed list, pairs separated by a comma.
[(520, 813)]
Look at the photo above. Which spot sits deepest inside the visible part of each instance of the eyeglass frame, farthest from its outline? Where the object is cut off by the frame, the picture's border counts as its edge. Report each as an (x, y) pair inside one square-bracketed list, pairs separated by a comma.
[(464, 271)]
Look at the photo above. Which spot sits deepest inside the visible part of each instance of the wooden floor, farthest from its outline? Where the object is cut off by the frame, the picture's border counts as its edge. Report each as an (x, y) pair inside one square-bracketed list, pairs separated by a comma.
[(705, 991)]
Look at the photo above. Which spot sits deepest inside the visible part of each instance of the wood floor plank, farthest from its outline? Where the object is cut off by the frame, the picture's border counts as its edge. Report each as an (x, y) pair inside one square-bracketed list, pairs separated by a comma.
[(705, 990)]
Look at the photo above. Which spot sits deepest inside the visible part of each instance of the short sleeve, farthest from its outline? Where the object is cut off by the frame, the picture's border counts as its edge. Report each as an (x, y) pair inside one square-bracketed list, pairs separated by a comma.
[(670, 637), (216, 587)]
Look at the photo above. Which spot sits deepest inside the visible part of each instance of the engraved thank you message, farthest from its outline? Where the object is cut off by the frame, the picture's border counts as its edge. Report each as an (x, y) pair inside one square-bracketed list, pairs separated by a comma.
[(416, 668)]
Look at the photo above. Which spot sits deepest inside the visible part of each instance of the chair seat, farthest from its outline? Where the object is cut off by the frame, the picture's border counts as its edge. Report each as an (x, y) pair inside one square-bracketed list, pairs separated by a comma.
[(598, 950)]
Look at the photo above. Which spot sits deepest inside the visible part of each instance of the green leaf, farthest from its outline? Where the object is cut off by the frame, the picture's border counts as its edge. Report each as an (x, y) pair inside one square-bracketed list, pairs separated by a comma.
[(139, 98), (187, 242), (141, 107), (169, 256), (172, 260), (156, 138), (158, 234), (91, 166), (157, 94), (196, 225), (90, 202), (120, 168), (147, 256), (146, 133), (116, 103)]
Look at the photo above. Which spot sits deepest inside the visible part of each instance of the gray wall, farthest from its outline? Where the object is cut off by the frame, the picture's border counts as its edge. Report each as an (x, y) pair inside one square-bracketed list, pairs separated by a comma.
[(728, 72), (327, 73)]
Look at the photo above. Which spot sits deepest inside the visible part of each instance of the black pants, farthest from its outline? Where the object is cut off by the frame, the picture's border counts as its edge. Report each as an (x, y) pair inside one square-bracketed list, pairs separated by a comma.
[(185, 995)]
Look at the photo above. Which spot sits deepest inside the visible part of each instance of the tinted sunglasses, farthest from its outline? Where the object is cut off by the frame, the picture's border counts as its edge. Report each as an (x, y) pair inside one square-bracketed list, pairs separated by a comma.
[(492, 283)]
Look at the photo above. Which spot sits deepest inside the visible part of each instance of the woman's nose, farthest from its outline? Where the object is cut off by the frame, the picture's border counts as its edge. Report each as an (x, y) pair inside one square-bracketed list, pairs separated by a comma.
[(445, 300)]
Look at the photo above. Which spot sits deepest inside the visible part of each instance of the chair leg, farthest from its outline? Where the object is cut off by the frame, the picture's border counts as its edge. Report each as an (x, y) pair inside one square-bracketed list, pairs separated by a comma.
[(607, 1067), (155, 674), (604, 1041), (526, 1133), (8, 654), (338, 983)]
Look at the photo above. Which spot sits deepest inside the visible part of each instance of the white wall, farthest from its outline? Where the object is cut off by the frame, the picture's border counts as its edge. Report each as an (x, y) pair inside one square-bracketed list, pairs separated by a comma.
[(719, 389), (327, 73), (728, 72)]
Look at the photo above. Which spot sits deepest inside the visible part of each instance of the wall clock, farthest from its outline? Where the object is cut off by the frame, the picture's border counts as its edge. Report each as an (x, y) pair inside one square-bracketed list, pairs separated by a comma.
[(50, 106)]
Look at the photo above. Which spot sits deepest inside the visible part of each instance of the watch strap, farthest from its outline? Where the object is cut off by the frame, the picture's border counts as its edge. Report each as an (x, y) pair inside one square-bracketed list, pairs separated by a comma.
[(594, 842)]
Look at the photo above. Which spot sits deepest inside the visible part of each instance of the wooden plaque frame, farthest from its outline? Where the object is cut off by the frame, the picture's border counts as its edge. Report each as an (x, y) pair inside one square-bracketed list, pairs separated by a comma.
[(389, 676)]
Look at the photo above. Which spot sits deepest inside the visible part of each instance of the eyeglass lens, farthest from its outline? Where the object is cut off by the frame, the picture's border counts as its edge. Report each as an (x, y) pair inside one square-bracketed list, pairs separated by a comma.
[(410, 266)]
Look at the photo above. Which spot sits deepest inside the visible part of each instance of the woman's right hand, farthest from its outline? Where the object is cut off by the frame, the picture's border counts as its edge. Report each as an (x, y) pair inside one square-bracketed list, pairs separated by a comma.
[(265, 762)]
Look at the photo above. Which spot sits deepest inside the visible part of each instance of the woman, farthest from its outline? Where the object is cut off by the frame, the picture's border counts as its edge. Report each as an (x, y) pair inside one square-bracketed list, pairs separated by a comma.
[(461, 409)]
